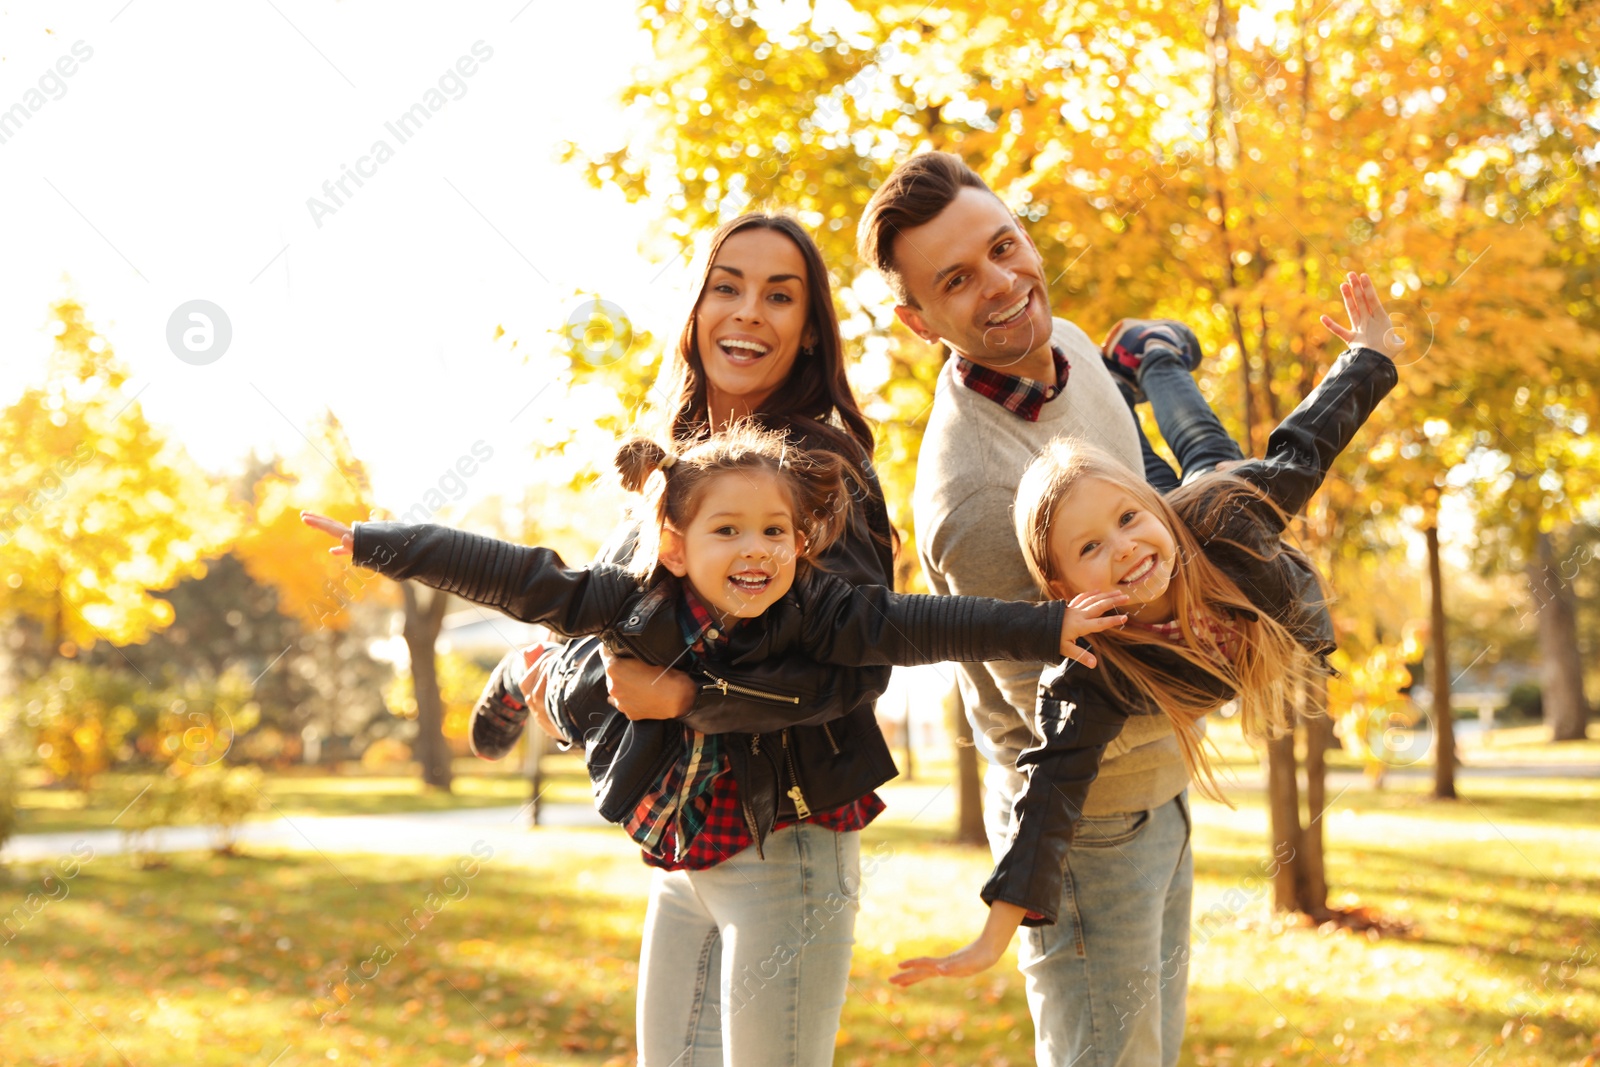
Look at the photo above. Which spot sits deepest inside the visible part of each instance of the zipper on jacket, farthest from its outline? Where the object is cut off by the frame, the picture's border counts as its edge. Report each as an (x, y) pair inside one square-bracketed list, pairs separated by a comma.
[(723, 686), (827, 730), (801, 808)]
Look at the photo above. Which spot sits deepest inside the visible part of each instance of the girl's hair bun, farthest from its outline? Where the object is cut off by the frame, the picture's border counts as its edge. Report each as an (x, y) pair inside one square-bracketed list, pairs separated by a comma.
[(637, 459)]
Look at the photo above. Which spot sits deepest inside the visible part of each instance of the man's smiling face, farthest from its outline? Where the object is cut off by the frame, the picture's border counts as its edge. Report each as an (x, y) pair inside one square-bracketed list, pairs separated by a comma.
[(977, 282)]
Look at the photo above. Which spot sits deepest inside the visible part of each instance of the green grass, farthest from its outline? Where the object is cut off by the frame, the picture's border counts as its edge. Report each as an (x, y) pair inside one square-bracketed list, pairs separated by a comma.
[(221, 961), (477, 784)]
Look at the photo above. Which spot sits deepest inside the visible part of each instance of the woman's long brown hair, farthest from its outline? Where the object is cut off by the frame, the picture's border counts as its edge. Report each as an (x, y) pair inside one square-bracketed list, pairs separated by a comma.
[(1269, 664)]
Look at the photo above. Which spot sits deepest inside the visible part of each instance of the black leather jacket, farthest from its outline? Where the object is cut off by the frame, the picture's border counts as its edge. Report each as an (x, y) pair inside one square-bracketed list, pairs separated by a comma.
[(823, 620), (1077, 715), (833, 736)]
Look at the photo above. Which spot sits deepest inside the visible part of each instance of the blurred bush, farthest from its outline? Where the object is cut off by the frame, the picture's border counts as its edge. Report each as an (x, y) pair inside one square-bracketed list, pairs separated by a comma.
[(1524, 701), (386, 754), (9, 787), (221, 798), (144, 804)]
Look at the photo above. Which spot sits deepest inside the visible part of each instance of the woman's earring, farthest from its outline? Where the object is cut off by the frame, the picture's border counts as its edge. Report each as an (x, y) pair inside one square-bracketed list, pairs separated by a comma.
[(806, 352)]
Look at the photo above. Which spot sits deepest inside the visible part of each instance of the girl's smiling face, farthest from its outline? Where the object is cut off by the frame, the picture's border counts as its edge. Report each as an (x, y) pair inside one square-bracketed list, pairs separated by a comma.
[(1102, 539), (740, 550), (751, 321)]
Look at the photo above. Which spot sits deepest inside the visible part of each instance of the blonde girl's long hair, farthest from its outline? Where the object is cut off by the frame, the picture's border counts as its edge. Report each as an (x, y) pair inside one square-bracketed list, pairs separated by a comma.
[(1269, 665)]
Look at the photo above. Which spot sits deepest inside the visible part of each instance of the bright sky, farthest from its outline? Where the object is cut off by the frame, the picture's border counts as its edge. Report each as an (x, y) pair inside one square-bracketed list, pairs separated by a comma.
[(175, 163)]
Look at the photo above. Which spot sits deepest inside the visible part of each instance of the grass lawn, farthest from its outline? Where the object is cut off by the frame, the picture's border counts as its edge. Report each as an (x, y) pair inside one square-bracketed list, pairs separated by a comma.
[(532, 959)]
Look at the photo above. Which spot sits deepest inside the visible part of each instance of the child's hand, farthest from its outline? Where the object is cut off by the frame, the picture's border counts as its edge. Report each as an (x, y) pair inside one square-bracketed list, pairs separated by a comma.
[(1086, 615), (1370, 325), (979, 956), (333, 528)]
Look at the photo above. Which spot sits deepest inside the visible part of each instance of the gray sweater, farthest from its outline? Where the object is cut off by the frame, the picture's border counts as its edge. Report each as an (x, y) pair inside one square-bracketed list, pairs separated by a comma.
[(973, 454)]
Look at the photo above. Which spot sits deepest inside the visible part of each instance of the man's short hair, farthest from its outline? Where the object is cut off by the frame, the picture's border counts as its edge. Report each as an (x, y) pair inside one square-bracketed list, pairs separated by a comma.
[(915, 193)]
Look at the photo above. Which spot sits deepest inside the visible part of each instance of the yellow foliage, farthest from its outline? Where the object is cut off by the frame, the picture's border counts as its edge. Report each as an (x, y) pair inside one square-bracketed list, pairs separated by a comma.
[(97, 507)]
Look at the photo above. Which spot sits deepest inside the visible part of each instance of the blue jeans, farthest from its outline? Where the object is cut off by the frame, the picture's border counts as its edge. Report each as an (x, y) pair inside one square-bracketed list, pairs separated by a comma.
[(1187, 423), (1108, 984), (747, 962)]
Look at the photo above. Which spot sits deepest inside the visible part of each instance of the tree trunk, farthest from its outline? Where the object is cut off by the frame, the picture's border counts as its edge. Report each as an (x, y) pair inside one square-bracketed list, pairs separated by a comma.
[(910, 771), (1566, 711), (536, 746), (1216, 118), (1319, 734), (422, 624), (1444, 734), (969, 787), (1283, 805)]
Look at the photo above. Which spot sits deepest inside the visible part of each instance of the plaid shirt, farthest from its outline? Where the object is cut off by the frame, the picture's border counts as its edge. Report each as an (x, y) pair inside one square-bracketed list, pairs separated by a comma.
[(710, 826), (1222, 638), (673, 812), (725, 834), (1021, 396)]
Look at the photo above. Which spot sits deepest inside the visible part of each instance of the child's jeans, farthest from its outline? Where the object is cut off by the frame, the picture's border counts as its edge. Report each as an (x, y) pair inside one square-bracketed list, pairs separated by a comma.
[(1188, 424), (747, 962), (1108, 983)]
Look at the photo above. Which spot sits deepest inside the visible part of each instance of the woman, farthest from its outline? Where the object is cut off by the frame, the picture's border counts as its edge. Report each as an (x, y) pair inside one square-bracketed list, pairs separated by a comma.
[(747, 939)]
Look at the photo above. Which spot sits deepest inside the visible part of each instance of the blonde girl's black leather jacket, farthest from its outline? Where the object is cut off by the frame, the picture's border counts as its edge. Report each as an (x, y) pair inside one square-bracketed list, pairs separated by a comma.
[(1077, 715)]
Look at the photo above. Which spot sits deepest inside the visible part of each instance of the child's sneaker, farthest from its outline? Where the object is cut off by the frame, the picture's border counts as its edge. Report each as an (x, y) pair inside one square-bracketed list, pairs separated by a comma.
[(1125, 346)]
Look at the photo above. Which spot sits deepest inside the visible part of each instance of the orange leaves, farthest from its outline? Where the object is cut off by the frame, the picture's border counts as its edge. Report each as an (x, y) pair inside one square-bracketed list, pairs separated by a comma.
[(279, 550)]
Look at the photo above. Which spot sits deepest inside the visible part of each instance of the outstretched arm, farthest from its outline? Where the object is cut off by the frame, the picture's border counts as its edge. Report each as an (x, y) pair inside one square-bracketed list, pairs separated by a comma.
[(531, 584), (1077, 719), (1305, 445), (863, 625)]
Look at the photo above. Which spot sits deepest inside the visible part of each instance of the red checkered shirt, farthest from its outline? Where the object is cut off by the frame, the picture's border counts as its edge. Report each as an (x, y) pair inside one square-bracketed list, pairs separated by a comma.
[(1021, 396), (725, 833)]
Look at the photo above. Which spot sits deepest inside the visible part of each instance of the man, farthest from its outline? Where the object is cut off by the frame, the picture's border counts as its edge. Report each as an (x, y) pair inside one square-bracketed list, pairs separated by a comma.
[(1106, 984)]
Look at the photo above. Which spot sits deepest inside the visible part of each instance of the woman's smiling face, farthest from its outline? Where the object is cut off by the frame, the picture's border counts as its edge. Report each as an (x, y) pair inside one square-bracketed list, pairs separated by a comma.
[(751, 321)]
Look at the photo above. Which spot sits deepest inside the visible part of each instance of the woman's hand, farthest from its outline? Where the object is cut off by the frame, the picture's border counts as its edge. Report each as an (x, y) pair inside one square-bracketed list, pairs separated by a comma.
[(333, 528), (1370, 325), (979, 956), (1086, 614), (641, 691), (537, 660)]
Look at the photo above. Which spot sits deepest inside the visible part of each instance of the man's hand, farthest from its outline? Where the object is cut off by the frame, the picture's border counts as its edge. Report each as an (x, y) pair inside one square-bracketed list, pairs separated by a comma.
[(1086, 614), (641, 691)]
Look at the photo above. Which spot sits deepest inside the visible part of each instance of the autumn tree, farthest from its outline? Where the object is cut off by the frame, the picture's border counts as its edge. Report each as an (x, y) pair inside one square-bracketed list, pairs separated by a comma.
[(319, 590), (99, 509), (1207, 168)]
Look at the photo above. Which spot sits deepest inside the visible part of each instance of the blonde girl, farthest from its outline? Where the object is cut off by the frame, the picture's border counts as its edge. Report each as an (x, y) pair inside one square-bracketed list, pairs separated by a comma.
[(1219, 608)]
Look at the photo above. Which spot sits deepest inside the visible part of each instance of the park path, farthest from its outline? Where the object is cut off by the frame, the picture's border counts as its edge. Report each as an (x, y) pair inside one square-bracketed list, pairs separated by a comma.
[(448, 833), (427, 833)]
